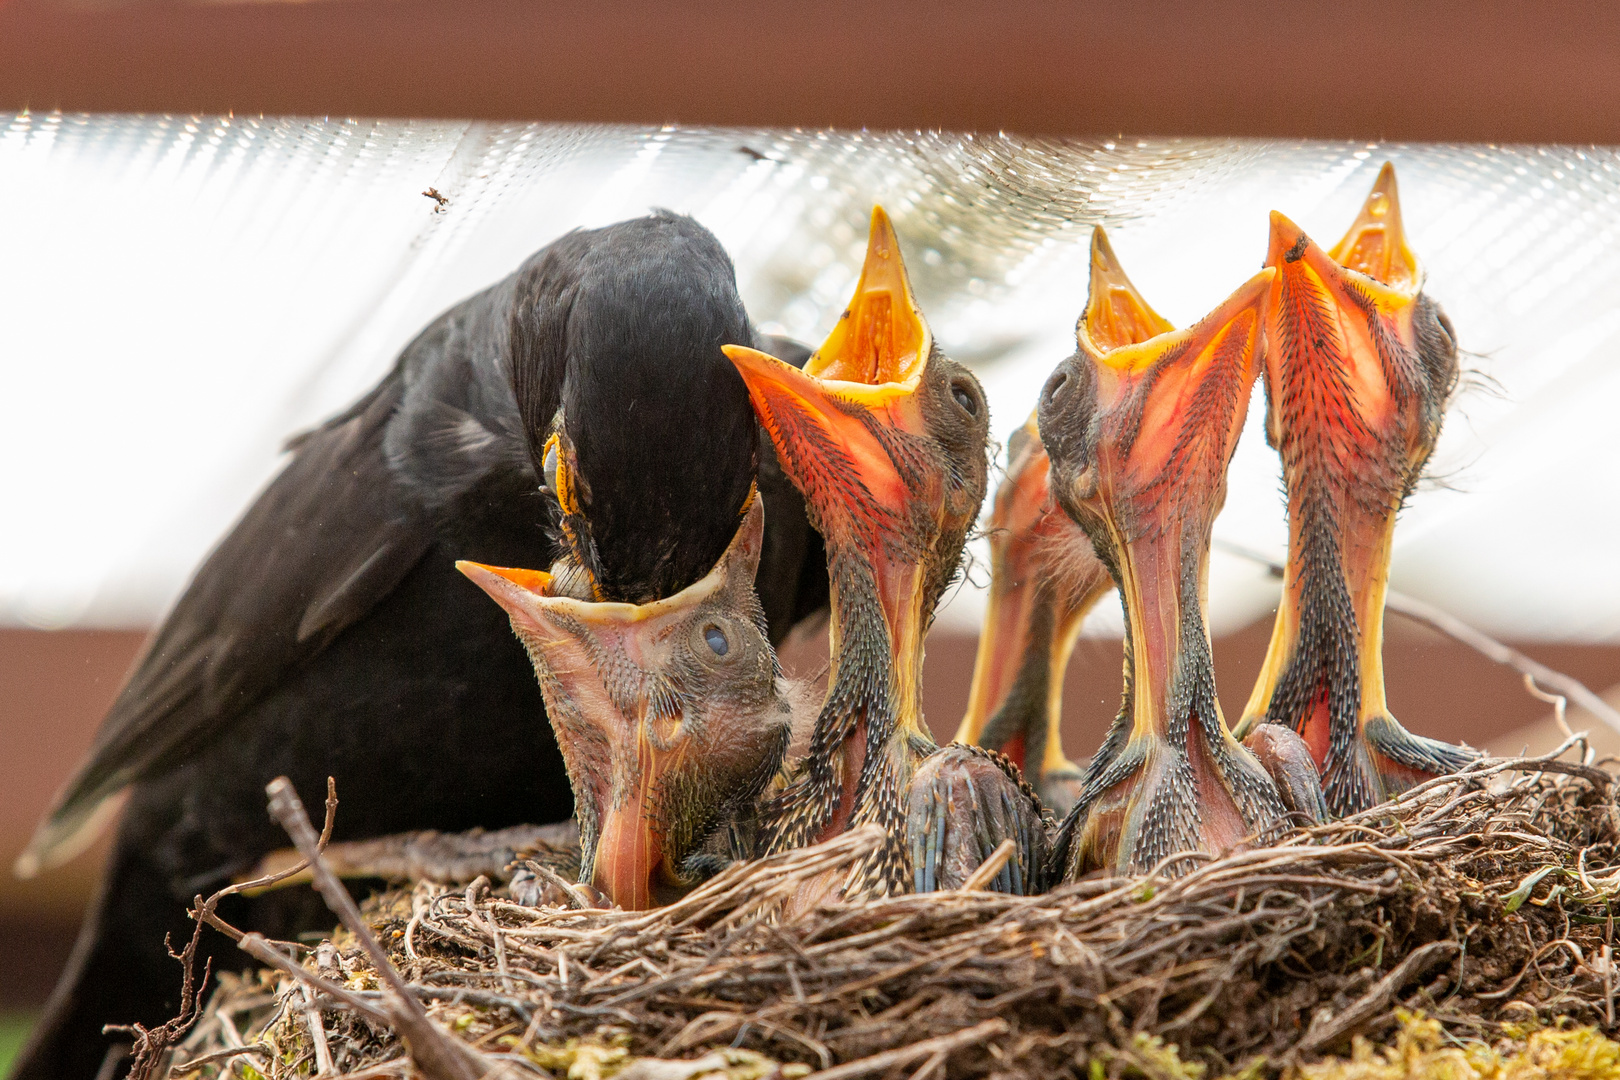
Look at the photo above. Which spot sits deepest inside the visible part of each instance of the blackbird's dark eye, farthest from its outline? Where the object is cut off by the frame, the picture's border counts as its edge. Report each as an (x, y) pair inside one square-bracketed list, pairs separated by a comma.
[(965, 398), (716, 639)]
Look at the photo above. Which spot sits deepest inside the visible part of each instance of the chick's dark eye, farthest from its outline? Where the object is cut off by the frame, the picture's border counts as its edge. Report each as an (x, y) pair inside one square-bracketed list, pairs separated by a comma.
[(1447, 329), (964, 397), (716, 639)]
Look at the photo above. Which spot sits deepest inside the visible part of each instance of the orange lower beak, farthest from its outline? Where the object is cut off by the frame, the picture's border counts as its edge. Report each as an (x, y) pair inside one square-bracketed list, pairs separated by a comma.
[(834, 441), (629, 848), (829, 445)]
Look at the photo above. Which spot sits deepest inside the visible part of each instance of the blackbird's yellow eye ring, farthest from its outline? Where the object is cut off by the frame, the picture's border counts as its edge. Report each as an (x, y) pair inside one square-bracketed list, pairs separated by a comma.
[(548, 464)]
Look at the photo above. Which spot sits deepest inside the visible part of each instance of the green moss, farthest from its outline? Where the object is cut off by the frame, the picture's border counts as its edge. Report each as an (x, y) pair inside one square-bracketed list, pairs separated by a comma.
[(1421, 1053), (13, 1030)]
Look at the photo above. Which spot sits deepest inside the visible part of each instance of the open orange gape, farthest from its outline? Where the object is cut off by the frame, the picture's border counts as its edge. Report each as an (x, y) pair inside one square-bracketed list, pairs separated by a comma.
[(1140, 424), (1359, 364), (886, 437)]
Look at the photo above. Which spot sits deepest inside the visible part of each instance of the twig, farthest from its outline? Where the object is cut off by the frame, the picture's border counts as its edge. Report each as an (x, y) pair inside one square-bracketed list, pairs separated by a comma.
[(551, 877), (262, 951), (942, 1044), (1077, 973), (217, 1056), (317, 1032), (991, 866), (203, 910), (1479, 641), (1331, 1030), (436, 1054), (1559, 702)]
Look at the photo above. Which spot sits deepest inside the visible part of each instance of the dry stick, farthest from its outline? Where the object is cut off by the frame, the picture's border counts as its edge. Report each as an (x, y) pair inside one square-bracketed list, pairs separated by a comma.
[(1324, 1034), (436, 1054), (576, 898), (317, 1031), (150, 1043), (203, 910), (1453, 627), (990, 867), (265, 953), (942, 1044), (260, 1049), (1169, 951)]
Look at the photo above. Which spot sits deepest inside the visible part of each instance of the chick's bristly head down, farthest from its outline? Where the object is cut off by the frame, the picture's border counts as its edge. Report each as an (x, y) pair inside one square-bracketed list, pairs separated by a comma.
[(671, 715), (1140, 433)]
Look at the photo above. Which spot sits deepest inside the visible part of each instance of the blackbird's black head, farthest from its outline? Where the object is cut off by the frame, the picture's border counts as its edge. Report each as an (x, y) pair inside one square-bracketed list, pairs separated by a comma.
[(655, 431)]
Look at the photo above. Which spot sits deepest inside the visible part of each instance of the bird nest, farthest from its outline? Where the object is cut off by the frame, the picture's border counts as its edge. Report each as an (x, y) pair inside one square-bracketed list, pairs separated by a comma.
[(1466, 926)]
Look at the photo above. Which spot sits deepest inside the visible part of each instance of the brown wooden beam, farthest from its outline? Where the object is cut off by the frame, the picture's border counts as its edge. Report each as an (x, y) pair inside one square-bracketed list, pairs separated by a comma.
[(1486, 70)]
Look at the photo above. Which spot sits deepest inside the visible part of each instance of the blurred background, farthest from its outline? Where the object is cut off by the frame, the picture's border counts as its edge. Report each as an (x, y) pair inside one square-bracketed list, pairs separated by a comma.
[(204, 252)]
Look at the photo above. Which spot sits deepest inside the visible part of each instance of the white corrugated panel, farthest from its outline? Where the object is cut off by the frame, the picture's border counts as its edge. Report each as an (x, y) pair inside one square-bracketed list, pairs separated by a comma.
[(178, 294)]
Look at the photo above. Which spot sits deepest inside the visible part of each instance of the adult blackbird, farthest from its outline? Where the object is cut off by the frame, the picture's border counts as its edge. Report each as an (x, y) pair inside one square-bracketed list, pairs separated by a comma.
[(330, 633)]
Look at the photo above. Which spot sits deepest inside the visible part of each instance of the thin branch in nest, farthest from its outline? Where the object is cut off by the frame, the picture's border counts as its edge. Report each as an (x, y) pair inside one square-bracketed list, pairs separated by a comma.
[(1273, 953), (545, 873), (987, 871), (436, 1054), (1537, 676), (944, 1044), (150, 1044), (1328, 1030), (204, 911)]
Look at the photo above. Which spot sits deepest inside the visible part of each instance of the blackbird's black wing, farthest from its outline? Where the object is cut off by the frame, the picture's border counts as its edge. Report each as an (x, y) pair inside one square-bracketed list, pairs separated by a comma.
[(332, 535)]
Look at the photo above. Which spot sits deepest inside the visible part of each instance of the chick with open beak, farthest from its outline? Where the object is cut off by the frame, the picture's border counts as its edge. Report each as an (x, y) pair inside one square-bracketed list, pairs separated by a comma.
[(886, 438), (1045, 576), (672, 717), (1140, 433), (1359, 364)]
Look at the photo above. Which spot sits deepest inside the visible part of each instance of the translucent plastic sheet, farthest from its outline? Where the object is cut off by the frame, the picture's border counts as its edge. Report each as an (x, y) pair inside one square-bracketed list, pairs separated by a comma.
[(177, 294)]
